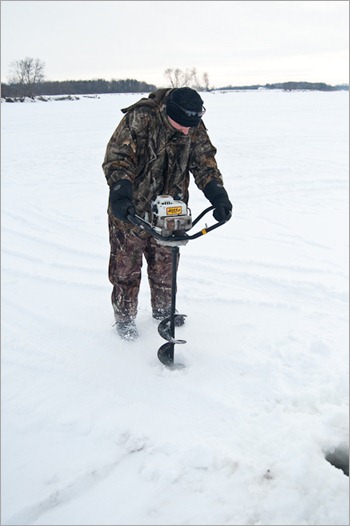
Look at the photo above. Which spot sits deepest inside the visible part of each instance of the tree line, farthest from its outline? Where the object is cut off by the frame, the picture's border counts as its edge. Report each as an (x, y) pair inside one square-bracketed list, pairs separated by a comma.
[(27, 79), (75, 87), (290, 86)]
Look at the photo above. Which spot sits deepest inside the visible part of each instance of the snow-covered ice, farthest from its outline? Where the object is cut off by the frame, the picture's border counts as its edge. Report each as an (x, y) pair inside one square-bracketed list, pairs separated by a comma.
[(95, 431)]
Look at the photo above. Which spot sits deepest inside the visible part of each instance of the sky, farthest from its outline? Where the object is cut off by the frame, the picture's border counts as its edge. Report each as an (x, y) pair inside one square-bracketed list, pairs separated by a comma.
[(234, 42)]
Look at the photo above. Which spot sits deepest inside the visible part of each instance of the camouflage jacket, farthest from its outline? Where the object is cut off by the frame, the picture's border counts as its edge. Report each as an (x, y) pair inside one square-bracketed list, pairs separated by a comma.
[(155, 157)]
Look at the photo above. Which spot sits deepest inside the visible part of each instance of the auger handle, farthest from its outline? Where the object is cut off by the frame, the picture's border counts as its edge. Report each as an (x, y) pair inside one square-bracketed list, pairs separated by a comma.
[(138, 221)]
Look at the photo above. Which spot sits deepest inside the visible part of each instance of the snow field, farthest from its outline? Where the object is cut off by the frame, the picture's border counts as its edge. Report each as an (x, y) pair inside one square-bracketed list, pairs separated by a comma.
[(96, 430)]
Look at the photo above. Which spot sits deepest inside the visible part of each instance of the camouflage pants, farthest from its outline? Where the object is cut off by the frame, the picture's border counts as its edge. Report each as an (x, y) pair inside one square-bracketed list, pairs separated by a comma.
[(125, 264)]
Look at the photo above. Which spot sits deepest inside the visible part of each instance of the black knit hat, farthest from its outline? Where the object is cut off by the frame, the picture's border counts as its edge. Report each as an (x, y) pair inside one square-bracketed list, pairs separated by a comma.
[(185, 107)]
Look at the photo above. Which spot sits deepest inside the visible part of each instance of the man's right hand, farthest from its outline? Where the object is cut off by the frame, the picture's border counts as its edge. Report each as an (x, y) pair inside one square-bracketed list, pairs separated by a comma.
[(120, 198)]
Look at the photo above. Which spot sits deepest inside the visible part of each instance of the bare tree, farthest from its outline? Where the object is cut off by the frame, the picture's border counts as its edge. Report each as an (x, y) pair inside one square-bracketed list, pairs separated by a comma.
[(206, 81), (168, 73), (27, 73), (179, 79), (193, 79)]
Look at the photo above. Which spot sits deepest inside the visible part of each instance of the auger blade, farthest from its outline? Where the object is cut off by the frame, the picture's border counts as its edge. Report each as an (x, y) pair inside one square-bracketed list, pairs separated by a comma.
[(164, 329), (166, 356), (166, 353)]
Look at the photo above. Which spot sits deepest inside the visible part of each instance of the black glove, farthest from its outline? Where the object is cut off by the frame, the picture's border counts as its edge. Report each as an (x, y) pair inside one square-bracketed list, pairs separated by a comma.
[(120, 198), (218, 197)]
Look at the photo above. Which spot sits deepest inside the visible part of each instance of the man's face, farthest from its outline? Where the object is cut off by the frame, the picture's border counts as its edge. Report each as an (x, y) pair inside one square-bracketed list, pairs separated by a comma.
[(178, 127)]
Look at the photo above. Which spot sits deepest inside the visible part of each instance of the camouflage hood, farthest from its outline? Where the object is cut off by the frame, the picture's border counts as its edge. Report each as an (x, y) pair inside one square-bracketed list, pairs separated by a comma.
[(155, 157), (155, 100)]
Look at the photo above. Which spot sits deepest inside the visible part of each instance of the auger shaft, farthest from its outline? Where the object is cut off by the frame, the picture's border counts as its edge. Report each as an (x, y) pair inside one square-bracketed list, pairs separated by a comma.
[(175, 259), (166, 351)]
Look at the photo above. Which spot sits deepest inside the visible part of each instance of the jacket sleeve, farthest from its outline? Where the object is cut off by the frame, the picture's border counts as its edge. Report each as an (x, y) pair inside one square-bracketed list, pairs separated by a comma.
[(202, 162), (121, 159)]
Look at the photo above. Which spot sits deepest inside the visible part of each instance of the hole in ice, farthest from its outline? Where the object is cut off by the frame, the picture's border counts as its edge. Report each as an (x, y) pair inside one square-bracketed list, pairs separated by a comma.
[(339, 458)]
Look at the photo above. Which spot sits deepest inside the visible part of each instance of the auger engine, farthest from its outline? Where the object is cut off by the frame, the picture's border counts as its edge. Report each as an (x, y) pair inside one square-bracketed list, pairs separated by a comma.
[(170, 217)]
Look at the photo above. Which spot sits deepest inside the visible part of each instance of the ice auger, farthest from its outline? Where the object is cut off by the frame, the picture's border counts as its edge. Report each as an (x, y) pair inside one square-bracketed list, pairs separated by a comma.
[(171, 220)]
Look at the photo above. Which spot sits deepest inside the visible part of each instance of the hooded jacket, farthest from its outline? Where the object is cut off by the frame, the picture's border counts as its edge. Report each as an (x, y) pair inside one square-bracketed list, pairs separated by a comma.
[(155, 157)]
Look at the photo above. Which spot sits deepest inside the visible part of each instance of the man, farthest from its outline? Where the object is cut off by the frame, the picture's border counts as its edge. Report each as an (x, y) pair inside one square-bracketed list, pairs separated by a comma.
[(159, 141)]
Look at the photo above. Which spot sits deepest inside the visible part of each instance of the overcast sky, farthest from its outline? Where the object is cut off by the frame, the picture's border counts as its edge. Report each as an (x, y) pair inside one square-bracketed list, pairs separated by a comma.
[(235, 42)]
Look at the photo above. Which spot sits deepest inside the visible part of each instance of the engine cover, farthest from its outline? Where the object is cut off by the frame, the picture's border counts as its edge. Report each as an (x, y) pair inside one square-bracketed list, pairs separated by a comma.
[(171, 215)]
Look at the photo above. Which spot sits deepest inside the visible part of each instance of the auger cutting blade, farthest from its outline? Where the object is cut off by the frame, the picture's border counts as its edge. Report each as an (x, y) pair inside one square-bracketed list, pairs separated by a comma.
[(164, 329), (166, 356)]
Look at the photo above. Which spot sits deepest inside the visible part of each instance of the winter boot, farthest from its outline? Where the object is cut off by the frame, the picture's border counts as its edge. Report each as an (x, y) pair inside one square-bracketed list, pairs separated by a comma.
[(127, 330), (160, 314)]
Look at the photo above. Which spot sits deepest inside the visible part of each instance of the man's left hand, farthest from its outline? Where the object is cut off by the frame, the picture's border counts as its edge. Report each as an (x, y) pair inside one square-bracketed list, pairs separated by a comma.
[(218, 197)]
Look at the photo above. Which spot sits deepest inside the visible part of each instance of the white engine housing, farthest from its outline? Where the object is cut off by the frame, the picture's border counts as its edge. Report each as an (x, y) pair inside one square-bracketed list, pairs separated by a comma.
[(170, 215)]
